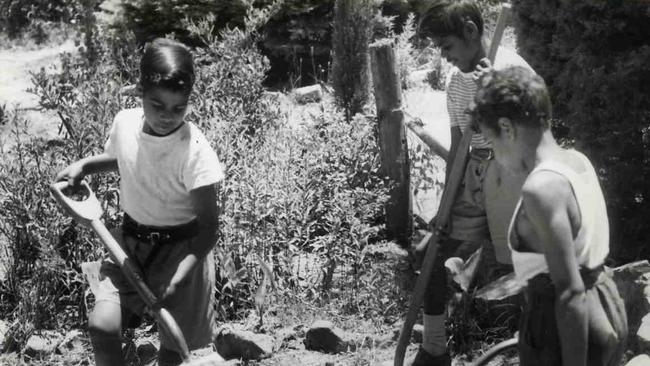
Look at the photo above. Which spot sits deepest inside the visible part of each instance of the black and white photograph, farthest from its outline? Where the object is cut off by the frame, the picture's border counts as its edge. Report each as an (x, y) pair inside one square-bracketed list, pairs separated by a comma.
[(325, 182)]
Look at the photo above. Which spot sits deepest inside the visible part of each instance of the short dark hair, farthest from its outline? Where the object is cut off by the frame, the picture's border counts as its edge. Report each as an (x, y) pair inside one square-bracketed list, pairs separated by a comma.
[(447, 18), (168, 64), (516, 93)]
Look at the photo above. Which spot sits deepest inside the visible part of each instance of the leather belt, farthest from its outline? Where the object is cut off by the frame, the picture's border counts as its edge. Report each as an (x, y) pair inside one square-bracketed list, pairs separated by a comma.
[(159, 234), (482, 153)]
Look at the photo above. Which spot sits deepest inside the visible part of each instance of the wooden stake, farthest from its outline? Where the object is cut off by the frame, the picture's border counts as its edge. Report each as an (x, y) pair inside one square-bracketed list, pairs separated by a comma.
[(392, 138)]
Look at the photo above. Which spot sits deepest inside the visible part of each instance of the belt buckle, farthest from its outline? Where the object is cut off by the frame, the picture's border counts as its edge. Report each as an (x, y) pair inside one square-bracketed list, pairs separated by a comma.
[(154, 237)]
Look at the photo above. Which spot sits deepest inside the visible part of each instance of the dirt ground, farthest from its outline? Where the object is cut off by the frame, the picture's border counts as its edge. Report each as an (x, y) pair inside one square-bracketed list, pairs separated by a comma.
[(15, 79)]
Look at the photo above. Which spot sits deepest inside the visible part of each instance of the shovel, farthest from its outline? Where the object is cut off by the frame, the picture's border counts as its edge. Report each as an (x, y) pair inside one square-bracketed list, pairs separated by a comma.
[(88, 212)]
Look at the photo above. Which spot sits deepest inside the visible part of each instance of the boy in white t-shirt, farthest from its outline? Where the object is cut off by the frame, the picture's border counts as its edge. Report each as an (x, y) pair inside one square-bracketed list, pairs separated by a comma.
[(169, 175)]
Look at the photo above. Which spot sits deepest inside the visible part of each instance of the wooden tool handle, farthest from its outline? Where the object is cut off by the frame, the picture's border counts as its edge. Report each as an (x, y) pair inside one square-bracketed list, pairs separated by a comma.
[(502, 21), (84, 211), (444, 213)]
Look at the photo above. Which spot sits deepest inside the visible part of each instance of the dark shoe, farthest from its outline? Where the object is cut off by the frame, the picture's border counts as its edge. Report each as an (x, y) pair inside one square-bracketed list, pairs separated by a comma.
[(424, 358)]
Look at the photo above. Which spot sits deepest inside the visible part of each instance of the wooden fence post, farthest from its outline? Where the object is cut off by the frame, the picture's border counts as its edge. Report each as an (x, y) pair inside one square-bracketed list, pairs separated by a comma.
[(392, 138)]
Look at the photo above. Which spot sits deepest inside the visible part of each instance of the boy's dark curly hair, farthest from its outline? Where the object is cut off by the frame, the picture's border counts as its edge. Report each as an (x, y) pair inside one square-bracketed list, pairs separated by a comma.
[(516, 93), (168, 64), (447, 18)]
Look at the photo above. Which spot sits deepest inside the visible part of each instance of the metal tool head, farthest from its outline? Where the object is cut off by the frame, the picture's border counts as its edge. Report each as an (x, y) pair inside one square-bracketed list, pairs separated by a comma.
[(85, 210)]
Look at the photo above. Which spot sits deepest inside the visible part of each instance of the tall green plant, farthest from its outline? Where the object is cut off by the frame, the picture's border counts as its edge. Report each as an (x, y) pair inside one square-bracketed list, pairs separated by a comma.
[(353, 25)]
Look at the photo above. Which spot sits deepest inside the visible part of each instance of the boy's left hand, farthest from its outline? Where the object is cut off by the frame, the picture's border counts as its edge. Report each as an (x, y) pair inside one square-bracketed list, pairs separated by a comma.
[(182, 275), (169, 291), (483, 67)]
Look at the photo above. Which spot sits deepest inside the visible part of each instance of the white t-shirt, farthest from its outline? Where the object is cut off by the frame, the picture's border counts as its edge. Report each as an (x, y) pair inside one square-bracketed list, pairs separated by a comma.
[(158, 173), (461, 89)]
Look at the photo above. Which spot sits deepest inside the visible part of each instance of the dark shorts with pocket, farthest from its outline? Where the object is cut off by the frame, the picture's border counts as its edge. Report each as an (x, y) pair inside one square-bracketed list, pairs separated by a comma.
[(539, 341)]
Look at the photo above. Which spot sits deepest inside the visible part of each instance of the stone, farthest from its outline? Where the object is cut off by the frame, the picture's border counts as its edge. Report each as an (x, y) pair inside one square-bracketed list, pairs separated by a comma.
[(633, 283), (306, 94), (324, 337), (231, 343), (640, 360), (42, 344)]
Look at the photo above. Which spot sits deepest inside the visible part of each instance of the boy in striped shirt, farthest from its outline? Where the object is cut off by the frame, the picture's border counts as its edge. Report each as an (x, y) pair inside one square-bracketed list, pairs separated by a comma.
[(488, 193)]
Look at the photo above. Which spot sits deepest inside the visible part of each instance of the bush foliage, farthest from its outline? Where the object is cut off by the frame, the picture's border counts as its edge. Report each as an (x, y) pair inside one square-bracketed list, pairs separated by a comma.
[(593, 55)]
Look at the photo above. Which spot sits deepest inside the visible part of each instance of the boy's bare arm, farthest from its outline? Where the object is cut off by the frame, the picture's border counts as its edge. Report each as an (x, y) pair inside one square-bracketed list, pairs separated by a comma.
[(204, 200), (417, 127), (546, 200), (76, 171), (99, 164)]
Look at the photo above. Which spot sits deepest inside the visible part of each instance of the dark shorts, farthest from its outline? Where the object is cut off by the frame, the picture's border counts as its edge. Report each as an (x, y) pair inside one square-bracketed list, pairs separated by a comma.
[(193, 304), (539, 341)]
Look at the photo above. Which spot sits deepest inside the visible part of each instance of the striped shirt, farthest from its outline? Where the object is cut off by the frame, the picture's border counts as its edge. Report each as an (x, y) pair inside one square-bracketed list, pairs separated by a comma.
[(461, 89)]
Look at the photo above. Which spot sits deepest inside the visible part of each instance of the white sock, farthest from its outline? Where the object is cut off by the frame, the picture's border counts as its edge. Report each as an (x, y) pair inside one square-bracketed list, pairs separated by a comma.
[(434, 337)]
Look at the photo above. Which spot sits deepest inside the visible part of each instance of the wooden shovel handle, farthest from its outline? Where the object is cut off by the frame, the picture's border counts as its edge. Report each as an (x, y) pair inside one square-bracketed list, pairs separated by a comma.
[(82, 211)]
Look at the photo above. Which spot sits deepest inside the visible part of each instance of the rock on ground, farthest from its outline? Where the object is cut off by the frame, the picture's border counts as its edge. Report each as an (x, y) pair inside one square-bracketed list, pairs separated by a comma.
[(306, 94), (633, 283), (42, 344), (231, 343), (323, 336)]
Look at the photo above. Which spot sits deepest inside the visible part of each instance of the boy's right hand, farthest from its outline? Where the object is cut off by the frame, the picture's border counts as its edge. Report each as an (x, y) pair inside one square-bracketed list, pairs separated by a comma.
[(73, 173)]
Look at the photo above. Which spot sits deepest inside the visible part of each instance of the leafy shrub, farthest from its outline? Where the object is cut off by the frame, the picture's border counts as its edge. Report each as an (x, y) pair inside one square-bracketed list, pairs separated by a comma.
[(36, 17), (593, 56), (149, 19), (289, 191), (353, 21), (405, 53), (43, 287)]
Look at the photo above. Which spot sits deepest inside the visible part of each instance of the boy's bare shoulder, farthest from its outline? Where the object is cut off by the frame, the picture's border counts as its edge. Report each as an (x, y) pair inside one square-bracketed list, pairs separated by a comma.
[(546, 188)]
